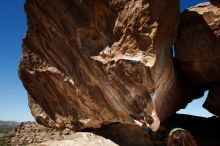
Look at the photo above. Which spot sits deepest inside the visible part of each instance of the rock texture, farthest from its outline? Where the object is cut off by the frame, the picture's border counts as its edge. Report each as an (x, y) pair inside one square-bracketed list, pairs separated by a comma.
[(198, 51), (87, 63), (31, 133)]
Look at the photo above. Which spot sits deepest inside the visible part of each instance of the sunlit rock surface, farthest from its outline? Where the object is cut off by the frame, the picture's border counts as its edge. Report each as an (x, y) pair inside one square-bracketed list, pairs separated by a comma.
[(87, 63), (198, 51)]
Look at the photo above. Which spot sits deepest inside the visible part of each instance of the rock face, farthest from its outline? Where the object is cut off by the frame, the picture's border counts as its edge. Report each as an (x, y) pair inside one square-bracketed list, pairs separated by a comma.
[(198, 51), (31, 133), (87, 63)]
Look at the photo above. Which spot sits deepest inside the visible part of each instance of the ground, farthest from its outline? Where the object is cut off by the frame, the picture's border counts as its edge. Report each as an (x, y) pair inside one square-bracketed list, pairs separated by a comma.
[(5, 136)]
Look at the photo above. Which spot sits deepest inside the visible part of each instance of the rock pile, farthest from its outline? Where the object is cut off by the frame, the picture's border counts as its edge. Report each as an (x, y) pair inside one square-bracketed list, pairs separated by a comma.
[(31, 132)]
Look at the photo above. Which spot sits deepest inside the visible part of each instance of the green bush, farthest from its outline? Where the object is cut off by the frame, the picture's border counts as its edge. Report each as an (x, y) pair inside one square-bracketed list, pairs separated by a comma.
[(5, 139)]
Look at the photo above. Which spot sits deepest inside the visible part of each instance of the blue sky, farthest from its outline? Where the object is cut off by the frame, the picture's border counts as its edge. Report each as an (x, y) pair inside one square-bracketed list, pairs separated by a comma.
[(13, 97), (188, 3)]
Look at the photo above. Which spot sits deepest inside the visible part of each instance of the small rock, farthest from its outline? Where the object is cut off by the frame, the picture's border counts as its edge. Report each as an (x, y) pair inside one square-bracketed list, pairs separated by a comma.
[(66, 131)]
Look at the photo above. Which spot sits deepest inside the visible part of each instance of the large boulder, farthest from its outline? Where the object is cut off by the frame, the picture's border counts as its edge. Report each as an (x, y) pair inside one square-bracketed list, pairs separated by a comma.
[(198, 51), (87, 63)]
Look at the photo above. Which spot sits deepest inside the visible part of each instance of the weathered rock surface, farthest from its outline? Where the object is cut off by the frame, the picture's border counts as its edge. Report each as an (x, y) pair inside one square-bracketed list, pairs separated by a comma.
[(87, 63), (198, 51), (31, 133)]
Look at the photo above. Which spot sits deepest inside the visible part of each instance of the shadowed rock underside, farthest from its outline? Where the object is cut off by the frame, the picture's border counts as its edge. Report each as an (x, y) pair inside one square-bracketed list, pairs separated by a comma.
[(198, 51), (90, 63)]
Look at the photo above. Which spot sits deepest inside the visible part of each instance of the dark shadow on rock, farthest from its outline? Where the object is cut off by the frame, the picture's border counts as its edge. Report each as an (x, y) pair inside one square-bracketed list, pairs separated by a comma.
[(204, 130), (123, 135), (197, 61), (215, 2)]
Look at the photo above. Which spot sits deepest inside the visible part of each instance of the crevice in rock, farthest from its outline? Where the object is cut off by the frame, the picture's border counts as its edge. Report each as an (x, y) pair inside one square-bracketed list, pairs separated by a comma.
[(173, 50)]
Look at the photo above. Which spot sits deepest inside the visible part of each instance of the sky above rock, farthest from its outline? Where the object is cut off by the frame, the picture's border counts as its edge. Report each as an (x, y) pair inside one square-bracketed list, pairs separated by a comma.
[(13, 97)]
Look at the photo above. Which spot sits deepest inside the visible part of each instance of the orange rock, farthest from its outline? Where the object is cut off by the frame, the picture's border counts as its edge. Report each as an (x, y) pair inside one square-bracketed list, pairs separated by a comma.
[(90, 63)]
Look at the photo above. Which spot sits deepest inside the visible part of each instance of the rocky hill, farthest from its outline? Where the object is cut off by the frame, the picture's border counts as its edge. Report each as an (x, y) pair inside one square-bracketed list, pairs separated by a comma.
[(5, 132), (8, 124)]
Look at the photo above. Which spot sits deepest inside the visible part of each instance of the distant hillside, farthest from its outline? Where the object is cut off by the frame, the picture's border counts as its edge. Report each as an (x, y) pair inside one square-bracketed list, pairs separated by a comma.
[(8, 124)]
